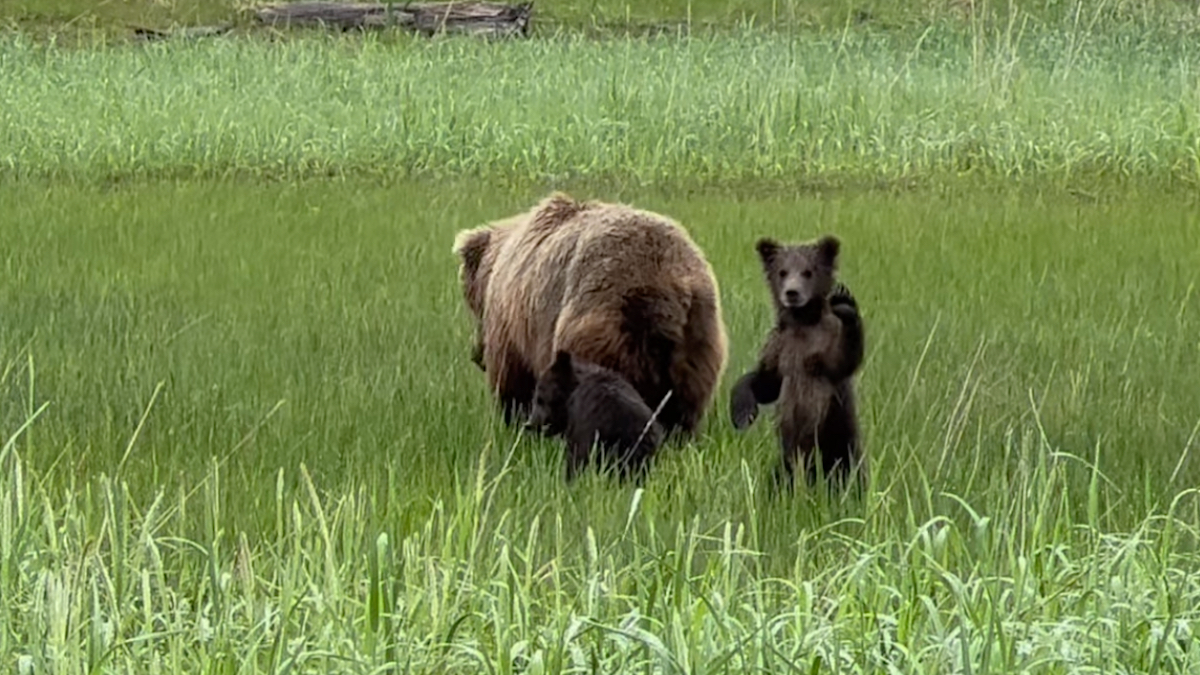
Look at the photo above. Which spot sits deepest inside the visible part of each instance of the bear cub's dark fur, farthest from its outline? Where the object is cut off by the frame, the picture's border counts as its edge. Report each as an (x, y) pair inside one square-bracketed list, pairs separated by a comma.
[(808, 361), (592, 406)]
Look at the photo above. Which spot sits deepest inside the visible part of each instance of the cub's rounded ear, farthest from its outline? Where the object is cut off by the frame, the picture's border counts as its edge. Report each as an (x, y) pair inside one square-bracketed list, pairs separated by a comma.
[(829, 246), (469, 246), (562, 371), (767, 248)]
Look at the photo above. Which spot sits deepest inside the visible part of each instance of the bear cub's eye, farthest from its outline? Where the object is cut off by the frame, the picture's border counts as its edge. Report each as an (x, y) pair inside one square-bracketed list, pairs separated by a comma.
[(807, 274), (782, 274)]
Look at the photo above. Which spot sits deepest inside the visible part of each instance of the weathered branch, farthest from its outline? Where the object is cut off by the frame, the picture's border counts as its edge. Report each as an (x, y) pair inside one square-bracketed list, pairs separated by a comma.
[(192, 32), (485, 18)]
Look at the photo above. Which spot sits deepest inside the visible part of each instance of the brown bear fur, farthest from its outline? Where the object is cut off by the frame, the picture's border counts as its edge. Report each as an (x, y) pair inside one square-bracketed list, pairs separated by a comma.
[(809, 360), (623, 288), (595, 408)]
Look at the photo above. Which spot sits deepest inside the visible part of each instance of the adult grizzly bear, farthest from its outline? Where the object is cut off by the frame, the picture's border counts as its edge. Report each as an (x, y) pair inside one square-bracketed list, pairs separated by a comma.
[(619, 287), (808, 362)]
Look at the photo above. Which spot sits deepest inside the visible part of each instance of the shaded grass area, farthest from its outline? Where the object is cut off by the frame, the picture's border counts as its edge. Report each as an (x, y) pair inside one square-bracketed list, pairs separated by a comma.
[(1060, 107), (257, 440)]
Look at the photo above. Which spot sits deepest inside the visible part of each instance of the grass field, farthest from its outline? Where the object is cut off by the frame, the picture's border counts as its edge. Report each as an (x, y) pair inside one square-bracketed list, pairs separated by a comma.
[(240, 433), (1055, 107), (229, 430)]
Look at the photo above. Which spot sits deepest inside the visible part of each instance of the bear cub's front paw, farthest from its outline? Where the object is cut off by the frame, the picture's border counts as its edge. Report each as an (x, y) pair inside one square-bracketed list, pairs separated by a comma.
[(743, 407)]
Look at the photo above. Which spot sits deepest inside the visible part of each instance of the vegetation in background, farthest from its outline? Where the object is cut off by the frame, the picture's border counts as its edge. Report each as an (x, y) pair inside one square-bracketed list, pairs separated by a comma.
[(1058, 107)]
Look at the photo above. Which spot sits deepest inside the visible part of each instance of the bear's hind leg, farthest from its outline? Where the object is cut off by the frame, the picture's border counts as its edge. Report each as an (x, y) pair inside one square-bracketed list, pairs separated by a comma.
[(839, 448), (695, 368), (576, 459), (514, 384)]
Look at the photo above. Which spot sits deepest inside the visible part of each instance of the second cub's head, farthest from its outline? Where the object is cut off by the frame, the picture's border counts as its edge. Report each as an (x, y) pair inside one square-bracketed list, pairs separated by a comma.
[(799, 274), (550, 396)]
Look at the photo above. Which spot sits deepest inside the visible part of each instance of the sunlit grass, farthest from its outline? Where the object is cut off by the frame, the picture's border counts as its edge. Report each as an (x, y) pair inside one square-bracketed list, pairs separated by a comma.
[(1051, 105), (98, 581)]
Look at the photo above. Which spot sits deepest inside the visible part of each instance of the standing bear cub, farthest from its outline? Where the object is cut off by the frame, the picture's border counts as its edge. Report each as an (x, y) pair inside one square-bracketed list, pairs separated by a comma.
[(594, 407), (808, 361)]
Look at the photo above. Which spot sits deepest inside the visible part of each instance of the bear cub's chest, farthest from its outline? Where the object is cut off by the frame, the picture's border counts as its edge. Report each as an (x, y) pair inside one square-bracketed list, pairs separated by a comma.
[(799, 344)]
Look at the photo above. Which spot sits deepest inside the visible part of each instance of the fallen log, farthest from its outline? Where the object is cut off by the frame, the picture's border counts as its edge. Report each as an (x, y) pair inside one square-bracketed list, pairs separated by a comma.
[(191, 32), (479, 18)]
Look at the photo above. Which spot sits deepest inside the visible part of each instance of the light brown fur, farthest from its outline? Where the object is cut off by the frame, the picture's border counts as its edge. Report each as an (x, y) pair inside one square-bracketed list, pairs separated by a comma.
[(623, 288)]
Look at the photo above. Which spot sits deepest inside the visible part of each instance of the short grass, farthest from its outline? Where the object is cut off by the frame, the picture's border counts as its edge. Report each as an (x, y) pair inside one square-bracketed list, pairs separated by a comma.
[(1062, 107), (241, 433)]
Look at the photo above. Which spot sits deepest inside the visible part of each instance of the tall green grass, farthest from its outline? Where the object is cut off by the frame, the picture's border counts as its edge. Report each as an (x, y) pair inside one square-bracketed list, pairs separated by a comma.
[(241, 433), (1005, 583), (1000, 100)]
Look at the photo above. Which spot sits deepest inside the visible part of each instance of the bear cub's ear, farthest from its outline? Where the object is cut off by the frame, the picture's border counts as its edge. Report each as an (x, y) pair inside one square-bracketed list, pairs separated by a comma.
[(767, 248), (562, 360), (563, 368), (828, 246)]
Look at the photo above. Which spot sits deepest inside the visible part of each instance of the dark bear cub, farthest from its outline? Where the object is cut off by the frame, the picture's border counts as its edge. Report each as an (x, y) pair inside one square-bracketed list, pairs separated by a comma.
[(591, 406), (808, 361)]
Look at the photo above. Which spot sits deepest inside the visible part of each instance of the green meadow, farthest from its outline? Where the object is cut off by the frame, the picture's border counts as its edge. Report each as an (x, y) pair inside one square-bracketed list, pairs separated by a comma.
[(1058, 107), (240, 431)]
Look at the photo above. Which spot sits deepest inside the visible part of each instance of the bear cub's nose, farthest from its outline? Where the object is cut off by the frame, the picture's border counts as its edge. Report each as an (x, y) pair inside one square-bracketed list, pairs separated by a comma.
[(792, 296)]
